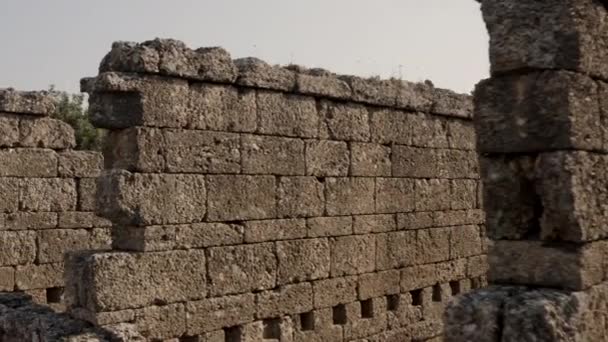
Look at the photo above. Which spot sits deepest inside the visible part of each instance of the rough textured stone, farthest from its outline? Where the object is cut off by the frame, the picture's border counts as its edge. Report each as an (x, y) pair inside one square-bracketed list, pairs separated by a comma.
[(241, 268), (334, 291), (199, 235), (144, 239), (322, 83), (156, 322), (415, 162), (87, 190), (395, 195), (465, 241), (53, 243), (329, 226), (353, 255), (272, 155), (287, 115), (390, 126), (43, 276), (363, 224), (17, 247), (345, 196), (7, 279), (46, 133), (137, 149), (372, 160), (300, 197), (379, 284), (288, 299), (302, 260), (429, 131), (327, 158), (254, 72), (26, 102), (80, 164), (47, 194), (9, 130), (222, 108), (190, 151), (432, 194), (344, 122), (241, 197), (271, 230), (28, 163), (215, 313)]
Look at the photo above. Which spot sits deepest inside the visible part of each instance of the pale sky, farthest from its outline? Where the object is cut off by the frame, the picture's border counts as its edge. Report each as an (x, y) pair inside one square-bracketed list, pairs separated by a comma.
[(59, 41)]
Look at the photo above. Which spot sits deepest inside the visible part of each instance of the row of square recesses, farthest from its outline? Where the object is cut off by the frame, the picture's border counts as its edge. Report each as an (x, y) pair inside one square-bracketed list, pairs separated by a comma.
[(272, 327)]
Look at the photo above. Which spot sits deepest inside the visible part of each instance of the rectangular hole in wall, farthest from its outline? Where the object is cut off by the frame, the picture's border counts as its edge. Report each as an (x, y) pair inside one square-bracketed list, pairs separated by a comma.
[(188, 339), (392, 302), (436, 293), (416, 297), (232, 334), (339, 314), (272, 329), (54, 295), (367, 309), (455, 287), (307, 321)]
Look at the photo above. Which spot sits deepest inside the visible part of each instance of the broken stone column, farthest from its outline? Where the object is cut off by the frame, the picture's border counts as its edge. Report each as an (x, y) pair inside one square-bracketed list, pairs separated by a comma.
[(541, 128)]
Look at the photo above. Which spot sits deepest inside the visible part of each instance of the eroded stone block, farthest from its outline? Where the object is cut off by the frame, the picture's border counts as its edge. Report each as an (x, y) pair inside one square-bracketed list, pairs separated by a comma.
[(272, 155), (302, 260), (300, 197), (241, 197)]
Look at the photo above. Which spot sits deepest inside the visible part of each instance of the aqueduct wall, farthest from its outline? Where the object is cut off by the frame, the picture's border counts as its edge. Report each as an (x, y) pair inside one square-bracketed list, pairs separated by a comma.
[(251, 202)]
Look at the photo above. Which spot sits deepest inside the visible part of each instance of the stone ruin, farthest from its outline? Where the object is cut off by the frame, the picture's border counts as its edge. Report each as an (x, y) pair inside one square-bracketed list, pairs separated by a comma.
[(250, 202)]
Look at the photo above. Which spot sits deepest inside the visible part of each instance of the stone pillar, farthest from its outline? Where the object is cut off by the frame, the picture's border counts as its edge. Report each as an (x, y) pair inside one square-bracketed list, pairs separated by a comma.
[(541, 130)]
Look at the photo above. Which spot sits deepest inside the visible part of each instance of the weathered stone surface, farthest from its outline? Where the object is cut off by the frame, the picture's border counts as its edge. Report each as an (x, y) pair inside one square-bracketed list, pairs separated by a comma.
[(46, 133), (288, 299), (26, 102), (372, 160), (537, 112), (254, 72), (363, 224), (379, 284), (456, 164), (9, 130), (414, 162), (87, 190), (463, 194), (302, 260), (300, 197), (80, 164), (322, 83), (334, 291), (519, 36), (353, 255), (241, 197), (156, 322), (395, 195), (47, 194), (344, 122), (30, 221), (425, 246), (199, 235), (360, 325), (329, 226), (448, 102), (191, 151), (32, 276), (287, 115), (570, 267), (272, 155), (7, 279), (144, 199), (429, 131), (465, 241), (345, 196), (462, 134), (322, 322), (238, 269), (53, 243), (271, 230), (216, 313), (144, 239), (415, 220), (373, 90), (70, 219), (9, 188), (222, 108), (137, 149), (18, 248), (327, 158), (432, 194), (23, 162), (144, 278), (391, 126)]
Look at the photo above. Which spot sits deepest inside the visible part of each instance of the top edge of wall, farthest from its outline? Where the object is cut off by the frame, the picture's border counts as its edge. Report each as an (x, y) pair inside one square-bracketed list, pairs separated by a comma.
[(26, 102), (172, 58)]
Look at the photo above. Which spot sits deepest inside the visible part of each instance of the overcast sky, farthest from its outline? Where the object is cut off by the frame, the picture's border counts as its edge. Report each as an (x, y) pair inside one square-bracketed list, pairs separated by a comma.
[(59, 41)]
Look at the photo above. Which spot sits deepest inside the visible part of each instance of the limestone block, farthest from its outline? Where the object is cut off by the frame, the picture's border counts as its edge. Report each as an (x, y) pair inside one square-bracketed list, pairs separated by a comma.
[(148, 199), (144, 239), (477, 266), (429, 131), (318, 82), (448, 102), (272, 230), (423, 246), (237, 269), (287, 115), (75, 219), (457, 164), (302, 260), (46, 133), (18, 248), (300, 197), (285, 300), (415, 220), (344, 122), (538, 112), (372, 160), (137, 149), (395, 195), (28, 163), (352, 255), (572, 267), (199, 235), (415, 96), (404, 315), (461, 134), (7, 279), (364, 224), (33, 221), (161, 322), (28, 277), (414, 162), (80, 164), (26, 102), (327, 158), (272, 155), (322, 326), (378, 284), (9, 188), (127, 100), (102, 280), (431, 194), (391, 126), (235, 197), (373, 90), (222, 108), (87, 189), (47, 194), (519, 40), (278, 329), (191, 151), (9, 130), (215, 313), (53, 243), (465, 241), (432, 245), (345, 196), (329, 226), (334, 291), (463, 194), (256, 73), (366, 321)]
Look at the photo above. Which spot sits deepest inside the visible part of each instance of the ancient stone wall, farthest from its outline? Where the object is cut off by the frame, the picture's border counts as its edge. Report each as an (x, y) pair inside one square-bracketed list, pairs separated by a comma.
[(253, 202), (541, 127), (47, 197)]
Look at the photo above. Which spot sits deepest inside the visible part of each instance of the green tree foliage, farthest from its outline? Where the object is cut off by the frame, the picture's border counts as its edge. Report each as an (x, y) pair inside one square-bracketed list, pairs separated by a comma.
[(71, 109)]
